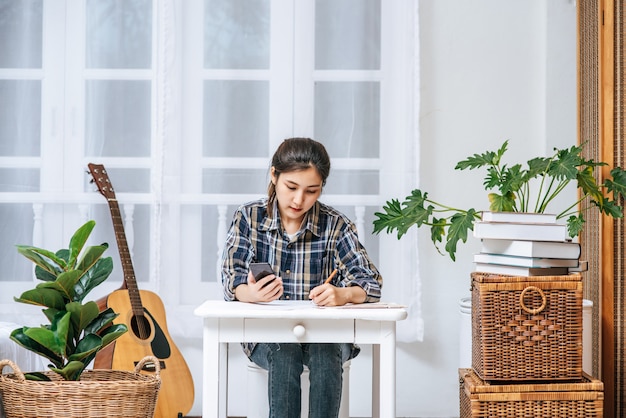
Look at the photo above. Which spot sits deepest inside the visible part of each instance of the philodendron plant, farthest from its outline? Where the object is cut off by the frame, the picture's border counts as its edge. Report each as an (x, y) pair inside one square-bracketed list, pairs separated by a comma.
[(77, 330), (516, 188)]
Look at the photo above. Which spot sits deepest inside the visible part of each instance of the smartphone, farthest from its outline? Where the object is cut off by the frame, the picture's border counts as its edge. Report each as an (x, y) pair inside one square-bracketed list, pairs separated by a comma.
[(260, 270)]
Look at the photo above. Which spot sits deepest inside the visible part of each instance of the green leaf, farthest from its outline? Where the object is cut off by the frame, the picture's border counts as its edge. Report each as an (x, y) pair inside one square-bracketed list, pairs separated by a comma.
[(460, 224), (98, 273), (105, 318), (537, 166), (82, 315), (390, 219), (587, 183), (438, 230), (414, 207), (46, 276), (78, 240), (499, 203), (71, 371), (492, 179), (401, 217), (90, 344), (50, 313), (51, 298), (55, 338), (488, 158), (609, 207), (91, 255), (45, 259), (512, 179), (20, 337), (618, 184), (565, 165), (575, 225), (37, 377), (64, 283), (112, 333)]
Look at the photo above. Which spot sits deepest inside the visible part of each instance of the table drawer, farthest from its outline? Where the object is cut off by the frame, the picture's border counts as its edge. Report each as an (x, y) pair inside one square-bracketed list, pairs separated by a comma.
[(298, 330)]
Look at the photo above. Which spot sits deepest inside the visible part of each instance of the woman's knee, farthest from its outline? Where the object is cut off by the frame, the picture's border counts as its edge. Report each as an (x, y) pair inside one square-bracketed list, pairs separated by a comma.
[(267, 355)]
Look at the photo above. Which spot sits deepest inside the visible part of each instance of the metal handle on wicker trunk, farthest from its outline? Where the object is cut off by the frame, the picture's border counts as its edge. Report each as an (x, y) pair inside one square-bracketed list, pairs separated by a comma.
[(543, 300)]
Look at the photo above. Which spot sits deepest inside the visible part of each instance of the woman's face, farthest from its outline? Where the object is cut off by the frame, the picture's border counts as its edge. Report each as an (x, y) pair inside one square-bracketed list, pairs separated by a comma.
[(296, 193)]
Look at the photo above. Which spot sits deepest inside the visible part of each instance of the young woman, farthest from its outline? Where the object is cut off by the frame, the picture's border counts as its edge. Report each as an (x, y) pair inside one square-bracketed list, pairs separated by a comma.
[(304, 241)]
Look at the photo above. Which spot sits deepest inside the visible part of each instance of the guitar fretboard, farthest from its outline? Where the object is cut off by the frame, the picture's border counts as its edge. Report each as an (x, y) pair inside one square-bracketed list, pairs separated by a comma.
[(101, 178), (127, 265)]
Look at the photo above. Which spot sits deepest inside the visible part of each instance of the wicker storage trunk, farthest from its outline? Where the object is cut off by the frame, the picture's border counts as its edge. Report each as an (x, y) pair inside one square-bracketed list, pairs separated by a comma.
[(527, 328), (479, 399), (98, 394)]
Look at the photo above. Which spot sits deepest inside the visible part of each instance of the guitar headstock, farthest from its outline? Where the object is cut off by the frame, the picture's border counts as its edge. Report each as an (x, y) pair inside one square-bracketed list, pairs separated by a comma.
[(101, 179)]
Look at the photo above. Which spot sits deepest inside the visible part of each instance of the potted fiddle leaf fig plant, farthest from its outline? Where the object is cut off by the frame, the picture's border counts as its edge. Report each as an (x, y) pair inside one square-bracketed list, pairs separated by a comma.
[(511, 188), (77, 330)]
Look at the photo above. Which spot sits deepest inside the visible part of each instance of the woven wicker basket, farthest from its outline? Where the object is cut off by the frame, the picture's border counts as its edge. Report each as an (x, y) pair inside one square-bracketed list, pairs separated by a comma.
[(527, 328), (99, 393), (478, 399)]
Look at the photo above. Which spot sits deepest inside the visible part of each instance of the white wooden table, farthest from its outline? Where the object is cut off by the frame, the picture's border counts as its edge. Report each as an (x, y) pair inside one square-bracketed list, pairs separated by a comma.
[(298, 321)]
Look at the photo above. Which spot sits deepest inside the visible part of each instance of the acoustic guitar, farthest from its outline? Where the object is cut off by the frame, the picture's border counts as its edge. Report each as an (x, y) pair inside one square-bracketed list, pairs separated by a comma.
[(143, 313)]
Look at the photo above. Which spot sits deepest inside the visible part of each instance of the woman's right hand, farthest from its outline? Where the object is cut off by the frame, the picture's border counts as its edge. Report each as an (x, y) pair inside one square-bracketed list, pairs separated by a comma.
[(267, 289)]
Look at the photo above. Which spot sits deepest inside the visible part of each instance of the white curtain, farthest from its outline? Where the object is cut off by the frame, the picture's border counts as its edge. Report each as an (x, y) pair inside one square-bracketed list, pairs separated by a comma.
[(184, 102)]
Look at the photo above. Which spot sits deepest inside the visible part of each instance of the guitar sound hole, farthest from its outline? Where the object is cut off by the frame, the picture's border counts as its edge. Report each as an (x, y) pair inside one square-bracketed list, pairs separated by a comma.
[(140, 327)]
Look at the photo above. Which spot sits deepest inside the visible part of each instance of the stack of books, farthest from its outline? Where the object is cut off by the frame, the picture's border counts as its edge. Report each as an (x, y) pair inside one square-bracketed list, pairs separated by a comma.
[(524, 244)]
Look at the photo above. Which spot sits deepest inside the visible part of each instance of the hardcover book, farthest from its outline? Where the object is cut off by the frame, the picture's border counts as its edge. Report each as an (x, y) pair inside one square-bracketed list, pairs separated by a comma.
[(519, 217), (542, 249), (520, 231), (534, 262), (520, 271)]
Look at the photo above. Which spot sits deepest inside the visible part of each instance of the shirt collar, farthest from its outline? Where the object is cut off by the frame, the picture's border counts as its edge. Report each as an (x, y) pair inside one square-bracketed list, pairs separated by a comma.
[(311, 221)]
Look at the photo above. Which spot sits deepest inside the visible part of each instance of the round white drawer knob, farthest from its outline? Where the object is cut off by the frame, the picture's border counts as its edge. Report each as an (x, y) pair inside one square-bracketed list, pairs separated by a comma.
[(299, 331)]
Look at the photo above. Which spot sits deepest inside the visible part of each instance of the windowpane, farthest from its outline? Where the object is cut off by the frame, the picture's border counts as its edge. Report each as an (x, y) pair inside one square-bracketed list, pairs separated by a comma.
[(119, 34), (236, 118), (236, 34), (235, 181), (21, 33), (20, 118), (118, 118), (345, 182), (126, 180), (347, 118), (19, 180), (19, 230), (347, 35), (209, 260)]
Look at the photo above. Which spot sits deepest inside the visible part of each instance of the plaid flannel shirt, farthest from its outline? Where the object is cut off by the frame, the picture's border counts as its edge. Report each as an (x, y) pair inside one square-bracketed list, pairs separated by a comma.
[(326, 240)]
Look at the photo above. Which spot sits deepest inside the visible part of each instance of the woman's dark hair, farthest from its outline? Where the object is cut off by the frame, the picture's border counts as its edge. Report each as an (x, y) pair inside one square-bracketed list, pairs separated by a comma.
[(296, 154)]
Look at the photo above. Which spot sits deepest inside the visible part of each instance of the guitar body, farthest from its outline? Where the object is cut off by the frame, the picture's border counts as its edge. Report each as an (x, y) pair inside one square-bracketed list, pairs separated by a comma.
[(177, 391), (144, 315)]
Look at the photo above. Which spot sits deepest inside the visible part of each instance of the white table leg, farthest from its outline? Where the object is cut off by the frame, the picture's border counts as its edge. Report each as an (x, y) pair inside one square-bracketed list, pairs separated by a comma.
[(387, 370), (223, 380), (376, 381), (211, 368)]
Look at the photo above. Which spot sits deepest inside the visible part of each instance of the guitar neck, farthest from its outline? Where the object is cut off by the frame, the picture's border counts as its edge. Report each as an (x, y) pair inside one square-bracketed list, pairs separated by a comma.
[(127, 265)]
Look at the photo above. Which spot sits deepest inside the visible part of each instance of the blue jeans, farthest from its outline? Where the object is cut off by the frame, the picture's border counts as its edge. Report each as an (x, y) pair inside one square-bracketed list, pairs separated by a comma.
[(285, 363)]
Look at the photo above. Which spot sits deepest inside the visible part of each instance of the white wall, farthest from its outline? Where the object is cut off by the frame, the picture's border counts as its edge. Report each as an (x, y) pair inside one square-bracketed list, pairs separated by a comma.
[(490, 70)]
